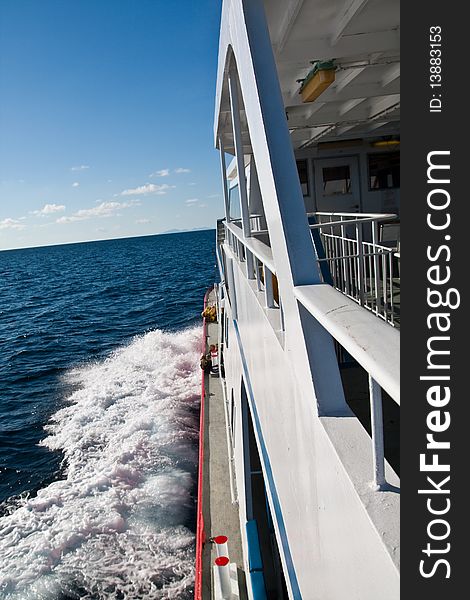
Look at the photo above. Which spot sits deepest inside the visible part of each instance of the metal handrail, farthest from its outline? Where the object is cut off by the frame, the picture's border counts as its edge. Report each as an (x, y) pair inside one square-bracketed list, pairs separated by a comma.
[(374, 216), (360, 268), (363, 254), (350, 222), (372, 343), (262, 252)]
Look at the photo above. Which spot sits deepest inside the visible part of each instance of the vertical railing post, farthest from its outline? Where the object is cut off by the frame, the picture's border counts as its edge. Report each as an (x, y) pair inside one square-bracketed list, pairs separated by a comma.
[(360, 263), (376, 266), (384, 283), (370, 262), (344, 251), (392, 308), (376, 420), (240, 158), (351, 246)]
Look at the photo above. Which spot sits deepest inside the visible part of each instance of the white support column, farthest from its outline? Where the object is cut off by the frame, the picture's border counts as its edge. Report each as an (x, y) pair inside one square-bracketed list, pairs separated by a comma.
[(283, 325), (268, 287), (376, 418), (223, 168), (237, 137), (258, 278), (250, 264)]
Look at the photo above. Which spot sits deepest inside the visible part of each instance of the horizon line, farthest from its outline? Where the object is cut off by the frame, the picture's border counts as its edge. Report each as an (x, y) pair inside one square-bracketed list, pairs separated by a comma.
[(125, 237)]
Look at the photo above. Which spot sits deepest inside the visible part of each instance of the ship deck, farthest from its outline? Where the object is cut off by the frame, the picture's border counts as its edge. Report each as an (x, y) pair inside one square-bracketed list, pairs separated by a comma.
[(221, 517)]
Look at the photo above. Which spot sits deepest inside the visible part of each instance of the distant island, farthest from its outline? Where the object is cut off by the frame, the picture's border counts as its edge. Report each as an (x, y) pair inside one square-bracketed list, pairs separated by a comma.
[(187, 230)]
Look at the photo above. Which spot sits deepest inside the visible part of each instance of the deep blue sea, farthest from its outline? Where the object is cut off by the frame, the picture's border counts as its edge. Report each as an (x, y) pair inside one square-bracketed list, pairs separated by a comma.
[(99, 385)]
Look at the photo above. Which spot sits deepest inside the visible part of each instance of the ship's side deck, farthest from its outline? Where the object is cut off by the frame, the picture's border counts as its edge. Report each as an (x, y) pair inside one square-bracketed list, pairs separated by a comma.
[(220, 514)]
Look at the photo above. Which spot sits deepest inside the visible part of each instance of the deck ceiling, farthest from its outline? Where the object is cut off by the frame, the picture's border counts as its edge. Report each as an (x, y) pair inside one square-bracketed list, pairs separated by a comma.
[(362, 36)]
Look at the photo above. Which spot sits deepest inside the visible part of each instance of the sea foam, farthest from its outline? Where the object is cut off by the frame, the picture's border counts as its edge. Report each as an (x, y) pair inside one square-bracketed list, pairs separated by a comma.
[(119, 523)]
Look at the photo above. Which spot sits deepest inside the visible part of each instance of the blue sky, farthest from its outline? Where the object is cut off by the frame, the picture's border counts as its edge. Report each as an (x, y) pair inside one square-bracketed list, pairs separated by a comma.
[(106, 113)]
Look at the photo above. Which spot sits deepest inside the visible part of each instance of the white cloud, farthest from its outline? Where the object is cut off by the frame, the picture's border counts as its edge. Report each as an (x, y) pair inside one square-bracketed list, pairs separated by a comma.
[(142, 221), (75, 184), (52, 208), (80, 168), (48, 209), (11, 224), (195, 202), (182, 170), (105, 209), (148, 188), (161, 173)]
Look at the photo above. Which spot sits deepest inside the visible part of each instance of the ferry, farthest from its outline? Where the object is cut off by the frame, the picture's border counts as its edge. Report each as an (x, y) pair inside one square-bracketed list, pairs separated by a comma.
[(299, 487)]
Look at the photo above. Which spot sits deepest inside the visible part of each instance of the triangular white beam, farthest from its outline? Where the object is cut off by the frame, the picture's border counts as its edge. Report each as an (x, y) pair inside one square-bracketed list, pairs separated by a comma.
[(291, 12), (245, 41), (346, 15)]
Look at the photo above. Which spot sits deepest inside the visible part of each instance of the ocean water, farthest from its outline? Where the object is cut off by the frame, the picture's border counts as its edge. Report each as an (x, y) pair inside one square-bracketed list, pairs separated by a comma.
[(99, 400)]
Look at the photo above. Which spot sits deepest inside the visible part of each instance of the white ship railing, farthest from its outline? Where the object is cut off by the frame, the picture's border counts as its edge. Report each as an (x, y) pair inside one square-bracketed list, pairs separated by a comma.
[(259, 265), (361, 266), (370, 341)]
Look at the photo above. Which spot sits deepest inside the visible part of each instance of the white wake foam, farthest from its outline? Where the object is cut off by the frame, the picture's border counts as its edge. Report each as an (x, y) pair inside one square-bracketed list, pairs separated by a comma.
[(114, 527)]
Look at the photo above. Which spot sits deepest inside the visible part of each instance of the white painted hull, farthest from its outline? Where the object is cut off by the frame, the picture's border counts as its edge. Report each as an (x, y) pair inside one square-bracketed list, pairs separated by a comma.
[(333, 499)]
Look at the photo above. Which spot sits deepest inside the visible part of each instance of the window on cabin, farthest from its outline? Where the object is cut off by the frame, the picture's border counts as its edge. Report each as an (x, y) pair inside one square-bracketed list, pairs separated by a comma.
[(384, 171), (336, 180), (302, 168)]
